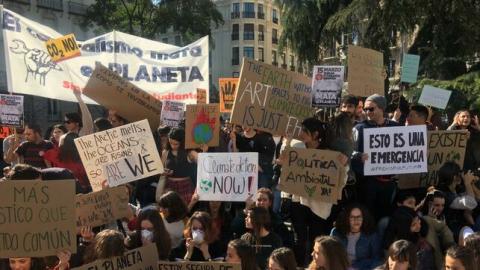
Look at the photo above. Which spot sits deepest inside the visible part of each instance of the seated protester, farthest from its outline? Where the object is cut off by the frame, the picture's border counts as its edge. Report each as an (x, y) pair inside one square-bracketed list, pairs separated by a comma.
[(401, 256), (458, 206), (24, 172), (405, 224), (106, 244), (472, 242), (174, 215), (329, 254), (198, 244), (282, 259), (355, 228), (23, 263), (460, 258), (31, 151), (150, 229), (240, 251), (260, 237), (439, 235), (55, 173)]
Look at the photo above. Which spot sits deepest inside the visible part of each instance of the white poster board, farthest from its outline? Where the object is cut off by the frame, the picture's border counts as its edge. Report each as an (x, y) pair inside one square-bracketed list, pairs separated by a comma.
[(227, 176), (11, 110), (435, 97), (395, 150), (327, 83), (172, 113)]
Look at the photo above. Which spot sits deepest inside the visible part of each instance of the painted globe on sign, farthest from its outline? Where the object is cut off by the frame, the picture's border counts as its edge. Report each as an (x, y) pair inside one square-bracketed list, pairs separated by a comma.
[(202, 133)]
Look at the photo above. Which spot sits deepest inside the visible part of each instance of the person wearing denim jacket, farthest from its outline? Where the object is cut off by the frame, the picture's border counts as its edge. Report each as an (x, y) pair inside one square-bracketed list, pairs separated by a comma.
[(355, 228)]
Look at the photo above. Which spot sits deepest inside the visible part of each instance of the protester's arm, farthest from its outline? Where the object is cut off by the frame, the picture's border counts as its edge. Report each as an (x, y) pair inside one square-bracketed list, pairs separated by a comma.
[(11, 155), (87, 121), (233, 139), (468, 179)]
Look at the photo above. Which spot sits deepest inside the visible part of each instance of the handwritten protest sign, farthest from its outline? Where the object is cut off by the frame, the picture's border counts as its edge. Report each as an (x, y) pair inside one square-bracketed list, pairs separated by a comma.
[(37, 218), (62, 48), (201, 96), (119, 155), (172, 113), (410, 65), (142, 258), (312, 173), (187, 265), (272, 99), (327, 85), (435, 97), (102, 207), (11, 110), (227, 176), (395, 150), (443, 146), (202, 125), (365, 72), (5, 132), (116, 93), (228, 88)]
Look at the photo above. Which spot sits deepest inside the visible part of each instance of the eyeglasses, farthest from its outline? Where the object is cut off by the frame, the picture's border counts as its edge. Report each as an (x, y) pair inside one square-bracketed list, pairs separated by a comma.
[(371, 109)]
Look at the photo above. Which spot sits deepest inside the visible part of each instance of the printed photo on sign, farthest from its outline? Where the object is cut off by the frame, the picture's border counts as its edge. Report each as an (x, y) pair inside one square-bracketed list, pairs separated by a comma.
[(202, 125), (119, 155), (11, 110), (395, 150), (365, 72), (327, 83), (228, 88), (172, 113), (227, 176)]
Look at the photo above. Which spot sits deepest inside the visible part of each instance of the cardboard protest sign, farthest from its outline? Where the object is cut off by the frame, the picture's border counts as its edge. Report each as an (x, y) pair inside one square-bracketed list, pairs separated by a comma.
[(410, 65), (228, 88), (312, 173), (188, 265), (365, 72), (102, 207), (443, 146), (119, 155), (272, 99), (172, 113), (327, 83), (142, 258), (227, 176), (114, 92), (62, 48), (202, 125), (5, 132), (435, 97), (11, 110), (395, 150), (201, 96), (37, 218)]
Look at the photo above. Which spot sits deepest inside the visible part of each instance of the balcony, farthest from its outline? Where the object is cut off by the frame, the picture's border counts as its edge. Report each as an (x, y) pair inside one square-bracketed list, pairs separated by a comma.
[(284, 66), (248, 14), (235, 15), (261, 36), (274, 40), (292, 68), (248, 35), (235, 35), (275, 64), (77, 8), (50, 4), (261, 15), (235, 62), (275, 20)]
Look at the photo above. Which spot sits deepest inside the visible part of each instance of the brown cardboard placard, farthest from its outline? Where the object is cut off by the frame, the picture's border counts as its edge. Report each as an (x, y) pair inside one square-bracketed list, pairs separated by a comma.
[(189, 265), (312, 173), (42, 220), (201, 96), (365, 72), (142, 258), (109, 89), (272, 99), (228, 87), (102, 207), (202, 125), (443, 145)]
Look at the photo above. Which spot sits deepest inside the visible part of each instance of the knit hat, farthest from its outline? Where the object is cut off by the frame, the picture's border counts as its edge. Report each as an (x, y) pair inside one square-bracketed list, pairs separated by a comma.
[(381, 101)]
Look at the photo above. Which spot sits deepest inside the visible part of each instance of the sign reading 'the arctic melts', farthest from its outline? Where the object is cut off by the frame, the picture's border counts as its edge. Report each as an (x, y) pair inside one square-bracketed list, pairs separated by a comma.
[(395, 150), (227, 176)]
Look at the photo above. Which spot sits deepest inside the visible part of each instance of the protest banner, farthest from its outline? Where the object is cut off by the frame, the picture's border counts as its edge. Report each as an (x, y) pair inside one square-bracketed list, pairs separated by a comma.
[(102, 207), (312, 173), (201, 96), (444, 145), (228, 88), (5, 132), (202, 125), (11, 110), (189, 265), (327, 83), (172, 113), (37, 218), (119, 155), (227, 177), (142, 258), (366, 75), (395, 150), (126, 99), (435, 97), (410, 65), (62, 48), (272, 99), (165, 71)]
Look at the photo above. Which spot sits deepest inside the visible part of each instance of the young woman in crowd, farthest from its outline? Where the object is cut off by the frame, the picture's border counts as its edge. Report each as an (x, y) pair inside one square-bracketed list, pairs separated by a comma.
[(460, 258), (260, 237), (106, 244), (174, 214), (329, 254), (150, 229), (57, 132), (463, 120), (240, 251), (282, 259), (472, 242), (401, 256), (355, 228)]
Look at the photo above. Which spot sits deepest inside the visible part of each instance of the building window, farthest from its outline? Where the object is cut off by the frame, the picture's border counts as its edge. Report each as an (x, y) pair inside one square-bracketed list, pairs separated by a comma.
[(274, 58), (235, 31), (165, 40), (235, 74), (261, 14), (178, 40), (235, 56), (261, 32), (274, 36), (235, 10), (249, 52), (248, 31), (292, 63), (248, 10), (261, 55), (284, 61), (274, 16)]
